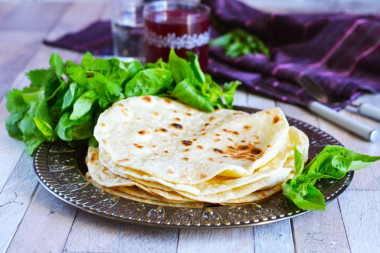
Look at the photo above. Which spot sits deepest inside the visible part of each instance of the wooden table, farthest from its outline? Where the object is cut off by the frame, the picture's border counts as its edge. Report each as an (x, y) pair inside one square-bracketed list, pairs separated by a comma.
[(32, 220)]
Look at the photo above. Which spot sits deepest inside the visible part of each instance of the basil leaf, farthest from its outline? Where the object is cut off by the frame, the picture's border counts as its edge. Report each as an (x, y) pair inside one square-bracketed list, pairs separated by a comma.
[(45, 128), (181, 69), (148, 82), (79, 129), (187, 94), (196, 67), (229, 92), (83, 105), (332, 162)]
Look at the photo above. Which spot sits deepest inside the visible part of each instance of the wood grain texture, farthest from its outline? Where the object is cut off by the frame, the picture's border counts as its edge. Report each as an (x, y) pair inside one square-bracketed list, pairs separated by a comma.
[(91, 233), (224, 240), (321, 231), (15, 199), (33, 17), (360, 211), (275, 237), (38, 230), (136, 238), (6, 9)]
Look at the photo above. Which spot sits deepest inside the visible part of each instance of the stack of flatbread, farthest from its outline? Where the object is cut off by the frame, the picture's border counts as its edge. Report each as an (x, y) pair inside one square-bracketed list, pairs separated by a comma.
[(158, 150)]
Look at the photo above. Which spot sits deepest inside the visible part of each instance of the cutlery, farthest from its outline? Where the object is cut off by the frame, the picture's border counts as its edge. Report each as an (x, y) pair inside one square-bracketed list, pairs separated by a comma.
[(364, 131), (318, 93)]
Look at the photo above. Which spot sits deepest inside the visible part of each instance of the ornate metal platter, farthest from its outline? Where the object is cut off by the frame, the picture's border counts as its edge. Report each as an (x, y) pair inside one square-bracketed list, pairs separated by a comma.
[(61, 169)]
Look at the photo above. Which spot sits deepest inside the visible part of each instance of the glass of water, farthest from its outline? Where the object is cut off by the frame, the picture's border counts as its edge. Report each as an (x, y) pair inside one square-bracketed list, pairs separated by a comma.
[(127, 29)]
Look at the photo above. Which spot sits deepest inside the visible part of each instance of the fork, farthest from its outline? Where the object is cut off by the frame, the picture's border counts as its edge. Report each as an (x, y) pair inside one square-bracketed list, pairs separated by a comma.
[(364, 131)]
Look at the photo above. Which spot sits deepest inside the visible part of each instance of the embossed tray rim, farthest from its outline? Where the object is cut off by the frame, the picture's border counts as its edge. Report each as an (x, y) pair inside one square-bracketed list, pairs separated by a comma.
[(52, 185)]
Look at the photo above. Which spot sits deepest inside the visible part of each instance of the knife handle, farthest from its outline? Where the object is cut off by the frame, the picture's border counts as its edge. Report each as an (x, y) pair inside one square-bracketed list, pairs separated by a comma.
[(368, 133), (369, 111)]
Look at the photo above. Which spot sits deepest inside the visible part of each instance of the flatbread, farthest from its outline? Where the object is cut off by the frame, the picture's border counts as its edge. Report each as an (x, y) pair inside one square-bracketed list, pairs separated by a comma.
[(166, 139)]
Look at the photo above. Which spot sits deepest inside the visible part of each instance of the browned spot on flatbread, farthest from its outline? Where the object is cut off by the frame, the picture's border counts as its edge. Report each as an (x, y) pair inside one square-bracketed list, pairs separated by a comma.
[(156, 113), (244, 152), (216, 140), (207, 124), (138, 118), (185, 159), (93, 157), (256, 142), (176, 126), (194, 139), (161, 130), (102, 124), (203, 134), (120, 104), (221, 162), (153, 146), (247, 127), (188, 114), (138, 146), (168, 101), (155, 154), (170, 171), (267, 112), (104, 141), (229, 139), (212, 118), (243, 141), (124, 160), (166, 151), (187, 143), (276, 119), (143, 132), (123, 111), (211, 159), (147, 99), (186, 150), (200, 147), (177, 119), (203, 176), (174, 111), (175, 134), (230, 131), (217, 134), (218, 151)]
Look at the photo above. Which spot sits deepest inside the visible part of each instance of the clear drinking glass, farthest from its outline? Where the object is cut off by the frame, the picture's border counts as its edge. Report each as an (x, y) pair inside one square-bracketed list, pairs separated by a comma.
[(127, 28), (182, 26)]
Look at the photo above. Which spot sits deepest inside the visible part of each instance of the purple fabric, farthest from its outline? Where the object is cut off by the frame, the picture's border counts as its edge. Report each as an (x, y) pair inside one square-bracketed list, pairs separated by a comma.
[(340, 52), (96, 38)]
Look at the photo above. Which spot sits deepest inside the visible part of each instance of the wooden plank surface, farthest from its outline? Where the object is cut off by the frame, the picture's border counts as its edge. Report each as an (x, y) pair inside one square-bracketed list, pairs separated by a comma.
[(15, 199), (47, 224)]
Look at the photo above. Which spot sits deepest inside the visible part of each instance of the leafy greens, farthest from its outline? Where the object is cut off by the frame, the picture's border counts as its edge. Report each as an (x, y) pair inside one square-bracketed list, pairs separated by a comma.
[(238, 43), (64, 101), (333, 162)]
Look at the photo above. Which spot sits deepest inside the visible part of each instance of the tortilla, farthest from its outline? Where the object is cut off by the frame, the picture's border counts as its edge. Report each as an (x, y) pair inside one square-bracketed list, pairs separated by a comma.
[(166, 139), (156, 149)]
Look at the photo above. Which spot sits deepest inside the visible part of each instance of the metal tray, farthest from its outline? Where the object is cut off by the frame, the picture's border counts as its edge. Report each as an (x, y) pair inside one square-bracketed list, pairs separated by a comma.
[(61, 170)]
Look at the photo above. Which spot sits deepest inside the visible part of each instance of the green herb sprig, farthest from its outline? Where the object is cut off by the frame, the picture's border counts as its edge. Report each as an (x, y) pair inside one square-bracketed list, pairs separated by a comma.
[(65, 101), (238, 43), (333, 162)]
